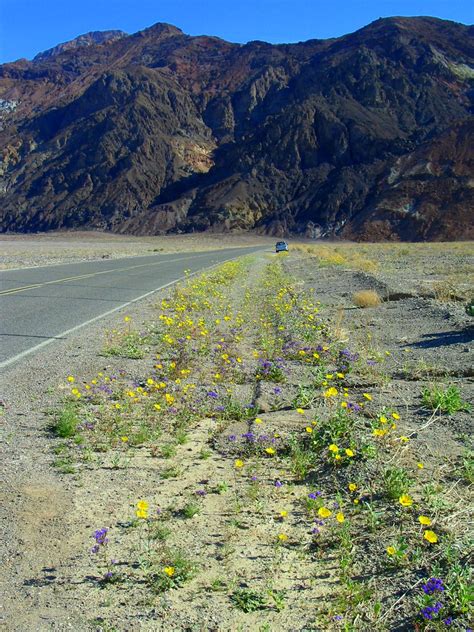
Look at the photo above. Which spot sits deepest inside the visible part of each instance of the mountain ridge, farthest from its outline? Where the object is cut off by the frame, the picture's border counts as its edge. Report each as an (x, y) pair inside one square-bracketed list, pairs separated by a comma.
[(161, 131)]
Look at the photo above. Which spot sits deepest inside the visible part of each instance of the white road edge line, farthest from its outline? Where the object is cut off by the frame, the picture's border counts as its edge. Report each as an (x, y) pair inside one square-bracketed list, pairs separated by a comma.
[(27, 352)]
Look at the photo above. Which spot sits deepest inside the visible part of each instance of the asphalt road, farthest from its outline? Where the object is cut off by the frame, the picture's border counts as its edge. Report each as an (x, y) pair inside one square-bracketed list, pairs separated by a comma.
[(43, 304)]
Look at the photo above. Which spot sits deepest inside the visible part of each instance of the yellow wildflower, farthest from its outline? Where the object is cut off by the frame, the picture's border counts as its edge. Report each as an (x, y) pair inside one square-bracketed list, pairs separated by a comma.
[(70, 379), (420, 466), (391, 550), (300, 411), (330, 392), (270, 450), (258, 420), (430, 536), (349, 452), (239, 463), (424, 520), (324, 512), (124, 439), (367, 396), (333, 448), (169, 570), (395, 415), (352, 487), (340, 517), (309, 429), (282, 537), (405, 500), (141, 513)]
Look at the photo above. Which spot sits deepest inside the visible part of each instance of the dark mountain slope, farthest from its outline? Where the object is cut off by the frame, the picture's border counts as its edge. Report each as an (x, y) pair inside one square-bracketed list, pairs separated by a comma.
[(161, 131)]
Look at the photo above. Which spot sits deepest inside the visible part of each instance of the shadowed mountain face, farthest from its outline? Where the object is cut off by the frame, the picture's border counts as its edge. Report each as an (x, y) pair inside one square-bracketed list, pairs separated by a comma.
[(368, 136)]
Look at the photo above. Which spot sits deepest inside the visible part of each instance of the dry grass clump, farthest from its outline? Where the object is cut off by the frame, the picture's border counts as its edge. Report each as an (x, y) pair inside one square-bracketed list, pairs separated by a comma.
[(366, 298)]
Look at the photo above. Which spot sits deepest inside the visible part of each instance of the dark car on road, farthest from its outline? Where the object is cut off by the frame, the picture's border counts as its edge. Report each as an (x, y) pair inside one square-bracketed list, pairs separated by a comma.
[(281, 246)]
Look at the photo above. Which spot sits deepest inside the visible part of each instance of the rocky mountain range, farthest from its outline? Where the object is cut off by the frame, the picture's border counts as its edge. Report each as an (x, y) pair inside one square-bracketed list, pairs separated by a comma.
[(367, 136)]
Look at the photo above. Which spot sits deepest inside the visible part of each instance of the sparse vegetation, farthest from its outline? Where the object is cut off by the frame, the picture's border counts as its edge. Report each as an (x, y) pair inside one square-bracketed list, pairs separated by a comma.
[(267, 438)]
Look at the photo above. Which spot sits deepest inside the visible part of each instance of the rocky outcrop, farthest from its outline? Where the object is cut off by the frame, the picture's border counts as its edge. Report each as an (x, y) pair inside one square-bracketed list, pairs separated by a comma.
[(88, 39), (367, 136)]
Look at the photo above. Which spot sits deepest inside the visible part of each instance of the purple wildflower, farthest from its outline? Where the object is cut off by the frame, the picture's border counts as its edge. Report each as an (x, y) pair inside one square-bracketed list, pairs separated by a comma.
[(434, 584), (100, 536), (278, 484)]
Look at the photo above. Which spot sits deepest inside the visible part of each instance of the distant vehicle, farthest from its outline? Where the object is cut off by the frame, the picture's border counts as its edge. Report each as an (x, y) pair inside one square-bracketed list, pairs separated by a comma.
[(281, 246)]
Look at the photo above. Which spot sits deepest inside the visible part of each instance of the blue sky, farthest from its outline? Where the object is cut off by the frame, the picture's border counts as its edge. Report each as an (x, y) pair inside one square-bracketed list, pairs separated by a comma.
[(30, 26)]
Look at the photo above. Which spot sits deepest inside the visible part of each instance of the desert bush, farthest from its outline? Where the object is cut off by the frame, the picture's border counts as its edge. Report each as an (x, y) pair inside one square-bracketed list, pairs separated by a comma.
[(447, 400), (366, 298)]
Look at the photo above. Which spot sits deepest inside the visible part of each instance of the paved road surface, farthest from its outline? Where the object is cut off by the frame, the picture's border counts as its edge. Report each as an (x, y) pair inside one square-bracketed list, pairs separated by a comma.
[(39, 305)]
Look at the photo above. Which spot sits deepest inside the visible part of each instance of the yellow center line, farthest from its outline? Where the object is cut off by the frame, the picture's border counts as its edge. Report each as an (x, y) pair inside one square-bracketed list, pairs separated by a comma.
[(23, 288)]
